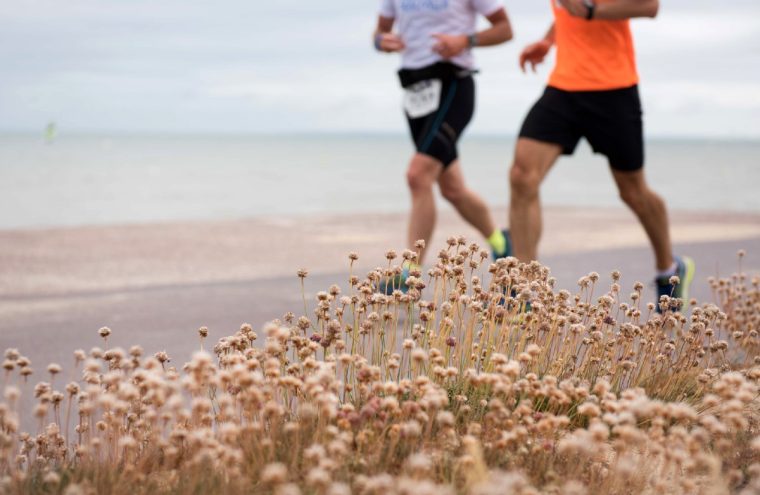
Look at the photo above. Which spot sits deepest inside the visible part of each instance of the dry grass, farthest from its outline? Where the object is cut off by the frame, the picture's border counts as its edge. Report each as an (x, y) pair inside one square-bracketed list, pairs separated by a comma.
[(451, 387)]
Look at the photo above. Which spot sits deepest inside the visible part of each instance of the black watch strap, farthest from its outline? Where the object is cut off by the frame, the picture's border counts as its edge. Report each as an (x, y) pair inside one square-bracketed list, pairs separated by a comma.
[(591, 7)]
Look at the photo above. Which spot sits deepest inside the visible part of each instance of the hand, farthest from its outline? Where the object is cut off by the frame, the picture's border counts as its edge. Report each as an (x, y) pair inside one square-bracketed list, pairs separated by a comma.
[(576, 8), (390, 42), (534, 54), (449, 45)]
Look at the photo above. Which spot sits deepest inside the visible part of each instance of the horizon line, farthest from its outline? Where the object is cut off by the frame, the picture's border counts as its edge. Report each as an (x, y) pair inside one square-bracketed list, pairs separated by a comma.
[(331, 133)]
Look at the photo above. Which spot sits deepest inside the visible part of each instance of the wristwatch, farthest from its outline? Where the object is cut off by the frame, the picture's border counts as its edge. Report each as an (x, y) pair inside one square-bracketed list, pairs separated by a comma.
[(472, 41), (590, 6)]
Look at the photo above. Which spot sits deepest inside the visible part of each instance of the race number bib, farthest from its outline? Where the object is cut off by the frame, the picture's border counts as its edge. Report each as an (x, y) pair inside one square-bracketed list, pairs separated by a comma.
[(422, 98)]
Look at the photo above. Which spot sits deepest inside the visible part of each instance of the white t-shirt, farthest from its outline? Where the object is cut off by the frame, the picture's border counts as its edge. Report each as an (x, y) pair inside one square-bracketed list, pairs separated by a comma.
[(418, 20)]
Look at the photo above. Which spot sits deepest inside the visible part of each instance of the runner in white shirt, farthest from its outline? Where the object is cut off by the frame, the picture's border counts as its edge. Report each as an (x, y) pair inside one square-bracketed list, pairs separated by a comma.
[(435, 39)]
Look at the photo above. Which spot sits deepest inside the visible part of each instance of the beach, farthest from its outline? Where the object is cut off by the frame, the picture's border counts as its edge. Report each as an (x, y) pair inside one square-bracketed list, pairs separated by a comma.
[(155, 284)]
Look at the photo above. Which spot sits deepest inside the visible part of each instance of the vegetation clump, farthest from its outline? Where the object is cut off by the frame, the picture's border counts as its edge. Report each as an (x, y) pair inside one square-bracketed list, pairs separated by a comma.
[(480, 378)]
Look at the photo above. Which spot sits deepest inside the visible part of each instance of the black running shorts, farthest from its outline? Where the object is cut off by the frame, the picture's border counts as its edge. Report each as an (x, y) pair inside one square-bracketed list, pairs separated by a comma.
[(437, 133), (609, 120)]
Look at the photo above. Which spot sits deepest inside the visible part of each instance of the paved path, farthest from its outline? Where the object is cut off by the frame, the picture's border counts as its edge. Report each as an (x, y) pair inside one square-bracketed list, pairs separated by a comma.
[(154, 285)]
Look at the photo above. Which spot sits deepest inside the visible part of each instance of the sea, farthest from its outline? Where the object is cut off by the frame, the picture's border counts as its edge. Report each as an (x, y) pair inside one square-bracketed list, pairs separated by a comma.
[(77, 180)]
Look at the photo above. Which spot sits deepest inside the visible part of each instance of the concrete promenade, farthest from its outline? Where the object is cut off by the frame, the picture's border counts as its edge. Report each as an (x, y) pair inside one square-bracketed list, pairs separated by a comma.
[(155, 284)]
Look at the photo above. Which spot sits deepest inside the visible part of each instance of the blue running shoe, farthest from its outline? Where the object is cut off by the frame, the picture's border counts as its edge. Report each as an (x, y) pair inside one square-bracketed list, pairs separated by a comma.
[(507, 250), (685, 269), (398, 282)]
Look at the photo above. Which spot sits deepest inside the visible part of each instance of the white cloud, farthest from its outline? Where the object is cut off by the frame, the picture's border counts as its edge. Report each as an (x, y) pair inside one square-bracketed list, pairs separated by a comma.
[(237, 66)]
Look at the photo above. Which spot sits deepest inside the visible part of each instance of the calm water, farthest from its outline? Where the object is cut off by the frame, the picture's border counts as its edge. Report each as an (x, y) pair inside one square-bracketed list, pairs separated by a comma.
[(97, 180)]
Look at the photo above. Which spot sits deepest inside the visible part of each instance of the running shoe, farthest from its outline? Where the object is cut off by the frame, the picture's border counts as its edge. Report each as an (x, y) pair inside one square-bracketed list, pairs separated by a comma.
[(685, 269), (398, 282), (508, 252), (508, 249)]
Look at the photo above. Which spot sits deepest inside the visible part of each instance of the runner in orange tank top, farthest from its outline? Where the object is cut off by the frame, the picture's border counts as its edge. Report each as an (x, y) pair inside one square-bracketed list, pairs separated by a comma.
[(592, 56), (593, 94)]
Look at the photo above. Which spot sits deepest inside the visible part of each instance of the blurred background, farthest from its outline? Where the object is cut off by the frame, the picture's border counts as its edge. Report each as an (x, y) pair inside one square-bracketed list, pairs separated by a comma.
[(118, 112)]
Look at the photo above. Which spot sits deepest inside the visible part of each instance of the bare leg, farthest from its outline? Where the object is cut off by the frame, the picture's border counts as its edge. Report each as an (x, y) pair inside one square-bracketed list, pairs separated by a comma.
[(422, 174), (469, 205), (651, 212), (533, 160)]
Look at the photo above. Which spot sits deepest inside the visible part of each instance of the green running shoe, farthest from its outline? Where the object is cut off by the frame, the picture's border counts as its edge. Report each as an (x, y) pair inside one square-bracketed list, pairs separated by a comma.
[(508, 249), (685, 269)]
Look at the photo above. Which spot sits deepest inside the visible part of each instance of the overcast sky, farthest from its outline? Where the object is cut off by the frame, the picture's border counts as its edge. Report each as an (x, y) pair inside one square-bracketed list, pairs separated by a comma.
[(281, 66)]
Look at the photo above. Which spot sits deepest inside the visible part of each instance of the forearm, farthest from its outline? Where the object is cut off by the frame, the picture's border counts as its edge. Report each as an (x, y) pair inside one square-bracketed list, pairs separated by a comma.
[(498, 32), (494, 35), (626, 9), (549, 36), (384, 25)]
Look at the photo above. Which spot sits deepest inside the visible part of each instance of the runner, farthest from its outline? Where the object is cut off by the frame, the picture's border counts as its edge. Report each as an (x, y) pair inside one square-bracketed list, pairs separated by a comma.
[(592, 93), (436, 38)]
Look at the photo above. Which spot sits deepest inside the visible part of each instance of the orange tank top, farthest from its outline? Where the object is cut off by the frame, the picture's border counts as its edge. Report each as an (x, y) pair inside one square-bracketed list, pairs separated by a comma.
[(592, 55)]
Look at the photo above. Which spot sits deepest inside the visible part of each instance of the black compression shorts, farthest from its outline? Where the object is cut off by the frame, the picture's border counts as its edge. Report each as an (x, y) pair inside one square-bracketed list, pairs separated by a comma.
[(437, 133), (609, 120)]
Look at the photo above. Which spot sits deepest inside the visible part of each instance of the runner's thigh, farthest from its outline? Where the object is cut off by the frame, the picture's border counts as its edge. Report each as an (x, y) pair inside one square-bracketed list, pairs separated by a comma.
[(553, 119), (437, 134), (613, 127)]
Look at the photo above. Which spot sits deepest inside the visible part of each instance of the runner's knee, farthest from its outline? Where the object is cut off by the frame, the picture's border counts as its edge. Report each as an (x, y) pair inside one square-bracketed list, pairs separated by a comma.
[(453, 193), (422, 173), (634, 195), (524, 181)]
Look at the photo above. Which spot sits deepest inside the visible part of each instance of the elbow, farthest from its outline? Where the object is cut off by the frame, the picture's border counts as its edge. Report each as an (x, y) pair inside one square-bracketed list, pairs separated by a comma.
[(508, 34), (653, 8)]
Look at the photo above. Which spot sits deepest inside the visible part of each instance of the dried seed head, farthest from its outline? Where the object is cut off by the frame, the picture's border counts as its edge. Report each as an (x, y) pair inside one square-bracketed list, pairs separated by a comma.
[(274, 474), (162, 357), (419, 355)]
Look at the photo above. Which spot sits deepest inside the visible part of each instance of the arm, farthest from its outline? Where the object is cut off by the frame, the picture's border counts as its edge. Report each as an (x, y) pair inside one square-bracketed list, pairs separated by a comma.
[(535, 53), (383, 39), (500, 31), (627, 9), (549, 36), (613, 10)]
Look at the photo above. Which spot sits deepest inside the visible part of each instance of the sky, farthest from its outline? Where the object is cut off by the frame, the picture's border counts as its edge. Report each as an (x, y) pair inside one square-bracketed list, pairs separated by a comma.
[(242, 66)]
